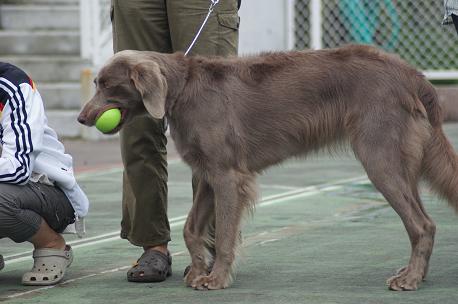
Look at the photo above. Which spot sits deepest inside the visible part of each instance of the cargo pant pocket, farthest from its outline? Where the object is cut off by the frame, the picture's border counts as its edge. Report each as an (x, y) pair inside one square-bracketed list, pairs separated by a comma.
[(228, 33)]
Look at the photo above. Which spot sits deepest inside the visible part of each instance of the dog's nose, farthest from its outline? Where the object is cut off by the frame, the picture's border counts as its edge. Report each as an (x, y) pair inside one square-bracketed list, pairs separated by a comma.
[(82, 119)]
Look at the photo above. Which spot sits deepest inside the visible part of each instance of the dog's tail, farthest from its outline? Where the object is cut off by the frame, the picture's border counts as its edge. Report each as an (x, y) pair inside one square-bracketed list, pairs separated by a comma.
[(440, 162)]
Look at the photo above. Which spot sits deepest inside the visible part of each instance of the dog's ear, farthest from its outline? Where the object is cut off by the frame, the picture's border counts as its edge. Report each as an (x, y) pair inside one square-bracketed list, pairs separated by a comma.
[(152, 85)]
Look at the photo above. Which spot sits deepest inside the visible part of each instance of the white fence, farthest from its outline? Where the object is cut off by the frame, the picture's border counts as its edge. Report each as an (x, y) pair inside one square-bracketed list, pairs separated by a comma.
[(410, 28)]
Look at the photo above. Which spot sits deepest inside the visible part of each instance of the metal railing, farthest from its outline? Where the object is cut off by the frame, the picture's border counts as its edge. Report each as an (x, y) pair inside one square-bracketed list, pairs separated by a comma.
[(410, 28)]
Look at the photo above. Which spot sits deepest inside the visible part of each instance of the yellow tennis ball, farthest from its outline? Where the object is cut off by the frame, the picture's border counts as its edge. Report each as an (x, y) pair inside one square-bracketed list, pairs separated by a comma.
[(109, 120)]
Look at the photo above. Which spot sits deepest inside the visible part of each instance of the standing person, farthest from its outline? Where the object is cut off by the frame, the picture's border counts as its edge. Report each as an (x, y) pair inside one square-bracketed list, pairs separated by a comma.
[(165, 26), (451, 13), (39, 196)]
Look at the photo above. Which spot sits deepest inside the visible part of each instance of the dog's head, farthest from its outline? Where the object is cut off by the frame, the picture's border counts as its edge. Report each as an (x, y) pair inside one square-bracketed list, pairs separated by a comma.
[(131, 82)]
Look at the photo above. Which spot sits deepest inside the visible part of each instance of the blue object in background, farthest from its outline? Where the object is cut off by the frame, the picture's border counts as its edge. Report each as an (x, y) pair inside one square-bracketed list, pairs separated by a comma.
[(363, 20)]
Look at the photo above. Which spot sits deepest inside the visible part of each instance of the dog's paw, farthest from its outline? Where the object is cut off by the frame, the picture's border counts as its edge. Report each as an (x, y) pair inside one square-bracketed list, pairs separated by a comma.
[(192, 274), (209, 282), (404, 280)]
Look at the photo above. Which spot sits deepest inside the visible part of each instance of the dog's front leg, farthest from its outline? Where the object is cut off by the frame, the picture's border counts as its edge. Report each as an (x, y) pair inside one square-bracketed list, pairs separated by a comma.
[(199, 231), (229, 207)]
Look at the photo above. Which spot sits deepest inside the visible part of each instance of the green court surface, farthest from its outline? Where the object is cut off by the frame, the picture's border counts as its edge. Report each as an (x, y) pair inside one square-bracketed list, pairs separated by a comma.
[(320, 234)]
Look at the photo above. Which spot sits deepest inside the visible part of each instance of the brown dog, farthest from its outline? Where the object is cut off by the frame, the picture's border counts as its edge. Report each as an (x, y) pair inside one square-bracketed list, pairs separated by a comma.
[(232, 118)]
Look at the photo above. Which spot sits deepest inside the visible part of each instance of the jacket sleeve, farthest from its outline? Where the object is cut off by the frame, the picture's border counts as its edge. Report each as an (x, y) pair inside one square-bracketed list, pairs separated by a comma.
[(21, 133)]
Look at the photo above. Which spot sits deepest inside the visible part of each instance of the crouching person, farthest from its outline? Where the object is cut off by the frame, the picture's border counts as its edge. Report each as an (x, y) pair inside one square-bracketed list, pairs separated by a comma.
[(39, 196)]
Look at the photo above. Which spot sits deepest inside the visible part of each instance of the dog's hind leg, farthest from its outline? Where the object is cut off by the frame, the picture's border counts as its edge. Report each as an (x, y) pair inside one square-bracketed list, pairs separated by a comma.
[(392, 158), (420, 228), (234, 193), (199, 231)]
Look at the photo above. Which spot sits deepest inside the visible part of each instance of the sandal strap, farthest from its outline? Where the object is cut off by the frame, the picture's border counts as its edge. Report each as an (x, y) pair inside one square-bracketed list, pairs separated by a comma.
[(48, 252), (49, 266), (151, 256)]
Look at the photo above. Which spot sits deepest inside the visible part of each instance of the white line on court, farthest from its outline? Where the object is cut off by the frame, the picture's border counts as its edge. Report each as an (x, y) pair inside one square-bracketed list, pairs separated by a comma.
[(84, 175), (270, 186), (267, 201), (108, 237), (309, 190), (268, 241), (176, 221)]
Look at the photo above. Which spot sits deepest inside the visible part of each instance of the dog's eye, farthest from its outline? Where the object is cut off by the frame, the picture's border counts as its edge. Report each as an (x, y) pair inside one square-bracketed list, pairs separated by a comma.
[(101, 83)]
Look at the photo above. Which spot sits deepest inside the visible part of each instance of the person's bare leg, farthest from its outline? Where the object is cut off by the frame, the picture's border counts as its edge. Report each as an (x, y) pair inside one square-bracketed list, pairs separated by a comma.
[(161, 248), (47, 238)]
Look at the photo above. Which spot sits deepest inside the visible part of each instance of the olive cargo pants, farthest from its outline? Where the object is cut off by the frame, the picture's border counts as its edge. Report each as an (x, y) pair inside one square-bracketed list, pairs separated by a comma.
[(165, 26)]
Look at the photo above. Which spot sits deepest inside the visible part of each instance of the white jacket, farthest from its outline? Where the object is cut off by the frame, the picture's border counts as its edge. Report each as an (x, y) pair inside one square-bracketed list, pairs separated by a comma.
[(29, 145)]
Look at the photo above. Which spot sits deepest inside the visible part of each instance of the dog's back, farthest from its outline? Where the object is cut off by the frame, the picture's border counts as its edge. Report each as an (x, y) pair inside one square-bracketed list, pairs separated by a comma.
[(288, 104)]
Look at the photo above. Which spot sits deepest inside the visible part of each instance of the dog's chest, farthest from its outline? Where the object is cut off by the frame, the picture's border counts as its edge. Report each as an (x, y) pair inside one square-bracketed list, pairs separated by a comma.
[(187, 146)]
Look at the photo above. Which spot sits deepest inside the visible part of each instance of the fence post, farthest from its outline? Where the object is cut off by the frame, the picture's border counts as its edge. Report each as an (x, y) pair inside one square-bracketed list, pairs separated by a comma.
[(96, 32), (315, 25), (290, 24), (85, 28), (90, 25)]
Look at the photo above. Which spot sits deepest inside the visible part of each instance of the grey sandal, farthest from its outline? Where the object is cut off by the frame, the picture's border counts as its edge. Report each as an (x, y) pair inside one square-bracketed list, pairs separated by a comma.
[(49, 266), (152, 266)]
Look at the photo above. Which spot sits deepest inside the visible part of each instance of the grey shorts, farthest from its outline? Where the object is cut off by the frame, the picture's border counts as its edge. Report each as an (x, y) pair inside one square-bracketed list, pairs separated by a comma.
[(23, 208)]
